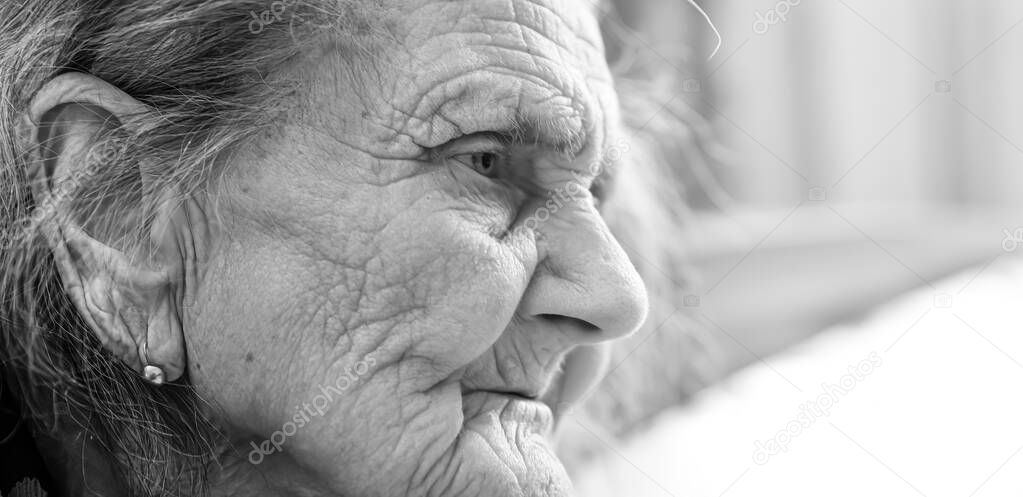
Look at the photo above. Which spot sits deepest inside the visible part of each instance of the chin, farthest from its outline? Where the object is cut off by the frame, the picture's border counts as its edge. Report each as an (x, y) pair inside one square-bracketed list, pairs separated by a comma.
[(504, 449)]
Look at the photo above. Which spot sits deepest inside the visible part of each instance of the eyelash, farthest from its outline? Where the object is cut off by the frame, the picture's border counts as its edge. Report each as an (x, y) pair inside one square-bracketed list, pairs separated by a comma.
[(487, 164), (483, 153), (487, 155)]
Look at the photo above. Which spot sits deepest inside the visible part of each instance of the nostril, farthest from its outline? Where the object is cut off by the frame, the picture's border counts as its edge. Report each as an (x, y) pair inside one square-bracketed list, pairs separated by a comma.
[(559, 319)]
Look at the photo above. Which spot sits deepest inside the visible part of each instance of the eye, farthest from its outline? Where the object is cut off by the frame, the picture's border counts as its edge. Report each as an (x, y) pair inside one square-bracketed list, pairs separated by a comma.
[(484, 153), (488, 164)]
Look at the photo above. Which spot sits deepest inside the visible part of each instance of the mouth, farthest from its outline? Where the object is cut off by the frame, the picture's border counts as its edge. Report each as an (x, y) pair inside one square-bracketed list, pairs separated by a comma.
[(513, 394), (508, 406)]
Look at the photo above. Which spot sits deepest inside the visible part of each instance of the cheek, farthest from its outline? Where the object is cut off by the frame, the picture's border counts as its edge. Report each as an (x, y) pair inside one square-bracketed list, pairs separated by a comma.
[(242, 342), (449, 258), (468, 280), (281, 311)]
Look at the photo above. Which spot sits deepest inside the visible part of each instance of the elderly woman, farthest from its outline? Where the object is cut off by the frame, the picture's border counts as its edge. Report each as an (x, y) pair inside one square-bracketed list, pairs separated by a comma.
[(330, 247)]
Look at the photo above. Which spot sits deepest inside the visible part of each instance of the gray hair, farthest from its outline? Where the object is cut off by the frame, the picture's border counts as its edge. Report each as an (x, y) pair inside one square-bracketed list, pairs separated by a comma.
[(204, 70)]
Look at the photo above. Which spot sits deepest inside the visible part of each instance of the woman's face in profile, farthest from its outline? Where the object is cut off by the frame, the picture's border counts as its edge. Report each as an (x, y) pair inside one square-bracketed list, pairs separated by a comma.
[(396, 277)]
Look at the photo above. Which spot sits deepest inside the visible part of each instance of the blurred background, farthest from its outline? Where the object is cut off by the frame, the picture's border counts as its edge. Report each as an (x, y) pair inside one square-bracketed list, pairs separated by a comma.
[(839, 160)]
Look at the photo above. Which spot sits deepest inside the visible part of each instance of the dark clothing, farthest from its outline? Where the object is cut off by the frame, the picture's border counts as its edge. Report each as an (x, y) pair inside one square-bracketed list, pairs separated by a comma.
[(19, 458)]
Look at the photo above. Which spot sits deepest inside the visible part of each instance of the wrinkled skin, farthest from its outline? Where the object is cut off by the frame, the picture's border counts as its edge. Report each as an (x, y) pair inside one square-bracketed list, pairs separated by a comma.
[(375, 237)]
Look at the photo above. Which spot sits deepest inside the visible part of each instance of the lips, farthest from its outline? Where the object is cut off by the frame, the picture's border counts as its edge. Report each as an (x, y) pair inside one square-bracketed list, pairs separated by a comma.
[(518, 394), (523, 392), (508, 407)]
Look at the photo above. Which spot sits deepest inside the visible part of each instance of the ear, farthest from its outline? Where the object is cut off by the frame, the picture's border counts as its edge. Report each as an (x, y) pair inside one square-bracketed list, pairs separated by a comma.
[(90, 202)]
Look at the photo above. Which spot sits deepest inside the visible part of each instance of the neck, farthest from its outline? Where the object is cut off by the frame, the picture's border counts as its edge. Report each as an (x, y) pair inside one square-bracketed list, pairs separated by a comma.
[(81, 467), (276, 475)]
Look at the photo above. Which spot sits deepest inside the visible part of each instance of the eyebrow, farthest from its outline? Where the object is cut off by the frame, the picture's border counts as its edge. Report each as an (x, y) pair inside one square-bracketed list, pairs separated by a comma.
[(552, 132)]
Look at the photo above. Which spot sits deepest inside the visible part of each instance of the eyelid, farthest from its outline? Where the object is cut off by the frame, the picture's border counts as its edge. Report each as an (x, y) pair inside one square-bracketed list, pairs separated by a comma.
[(471, 144)]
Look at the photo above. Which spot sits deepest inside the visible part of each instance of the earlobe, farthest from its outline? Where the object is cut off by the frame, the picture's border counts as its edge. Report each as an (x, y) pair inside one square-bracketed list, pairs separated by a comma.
[(130, 308), (121, 289), (165, 344)]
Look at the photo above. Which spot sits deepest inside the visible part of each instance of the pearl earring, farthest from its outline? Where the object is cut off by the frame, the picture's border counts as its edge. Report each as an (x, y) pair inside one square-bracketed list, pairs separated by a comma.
[(152, 374)]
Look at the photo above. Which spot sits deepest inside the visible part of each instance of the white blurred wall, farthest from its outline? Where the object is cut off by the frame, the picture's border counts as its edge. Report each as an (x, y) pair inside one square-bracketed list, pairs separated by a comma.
[(843, 91)]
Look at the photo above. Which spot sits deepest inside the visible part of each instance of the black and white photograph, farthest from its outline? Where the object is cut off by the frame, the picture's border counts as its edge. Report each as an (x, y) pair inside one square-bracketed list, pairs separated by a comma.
[(511, 248)]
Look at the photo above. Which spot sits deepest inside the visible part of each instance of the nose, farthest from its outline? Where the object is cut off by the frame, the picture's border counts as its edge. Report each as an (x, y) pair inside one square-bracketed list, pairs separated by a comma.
[(585, 284)]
